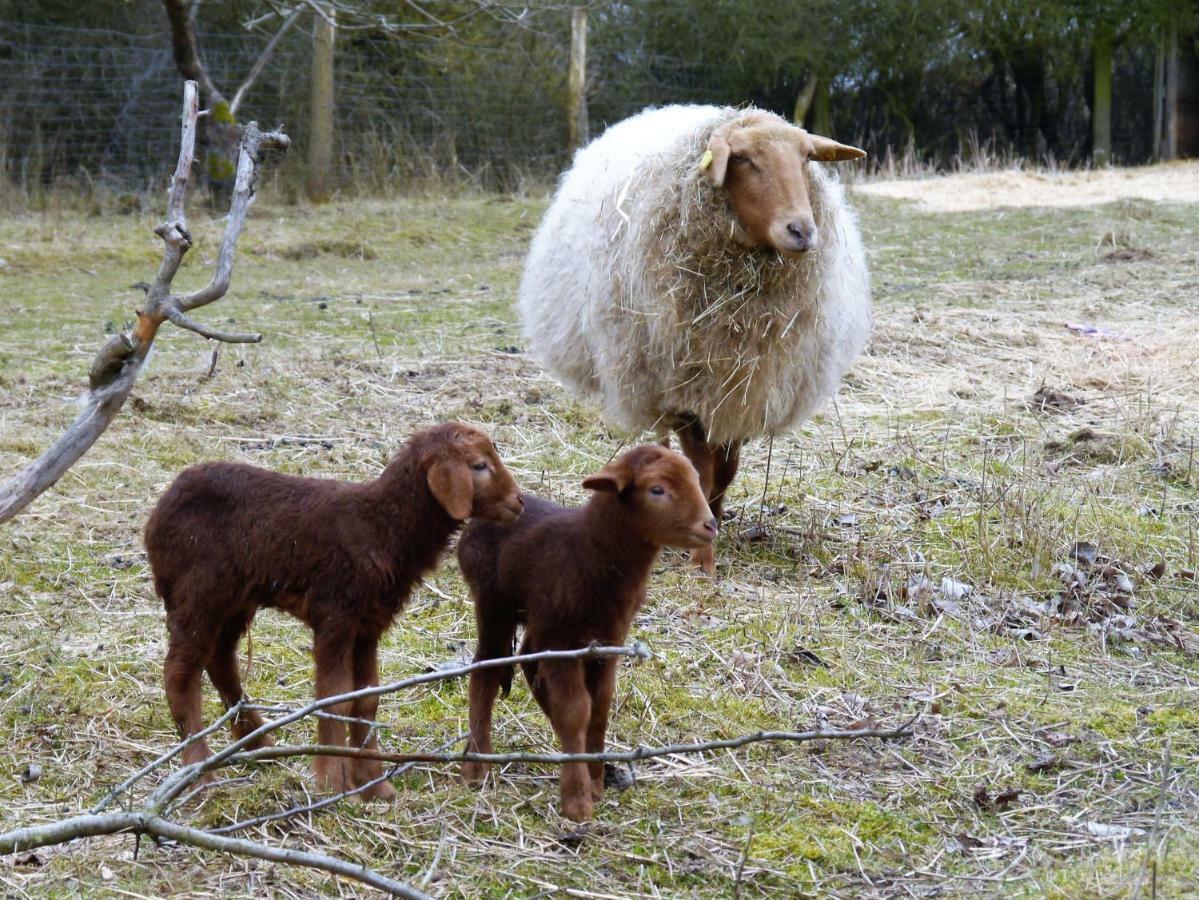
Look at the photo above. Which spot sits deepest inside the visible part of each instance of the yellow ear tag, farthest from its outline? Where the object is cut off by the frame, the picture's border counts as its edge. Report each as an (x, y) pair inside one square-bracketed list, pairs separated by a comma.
[(706, 161)]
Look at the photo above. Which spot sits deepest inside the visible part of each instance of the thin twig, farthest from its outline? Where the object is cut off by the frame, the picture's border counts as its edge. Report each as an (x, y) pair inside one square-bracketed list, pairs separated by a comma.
[(282, 751), (145, 770), (326, 801), (1135, 893), (173, 786)]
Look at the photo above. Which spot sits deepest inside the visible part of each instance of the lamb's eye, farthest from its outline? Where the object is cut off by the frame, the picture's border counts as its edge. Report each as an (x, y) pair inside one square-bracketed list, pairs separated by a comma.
[(479, 466), (738, 158), (657, 490)]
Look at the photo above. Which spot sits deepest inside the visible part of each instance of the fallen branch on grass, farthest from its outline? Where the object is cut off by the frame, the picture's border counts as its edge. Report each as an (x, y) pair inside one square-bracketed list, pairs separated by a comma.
[(152, 819), (119, 361)]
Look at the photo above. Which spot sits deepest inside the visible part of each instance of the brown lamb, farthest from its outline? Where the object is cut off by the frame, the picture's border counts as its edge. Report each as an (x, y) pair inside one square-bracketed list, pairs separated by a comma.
[(226, 539), (572, 577)]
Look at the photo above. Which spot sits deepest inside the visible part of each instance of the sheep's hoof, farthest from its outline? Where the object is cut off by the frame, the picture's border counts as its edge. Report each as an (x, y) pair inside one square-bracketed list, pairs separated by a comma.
[(382, 791), (704, 558)]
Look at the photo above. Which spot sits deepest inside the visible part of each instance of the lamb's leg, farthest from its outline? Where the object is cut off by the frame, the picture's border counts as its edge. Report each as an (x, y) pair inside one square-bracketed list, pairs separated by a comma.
[(182, 673), (332, 650), (225, 673), (601, 683), (703, 456), (562, 694), (495, 641), (366, 674)]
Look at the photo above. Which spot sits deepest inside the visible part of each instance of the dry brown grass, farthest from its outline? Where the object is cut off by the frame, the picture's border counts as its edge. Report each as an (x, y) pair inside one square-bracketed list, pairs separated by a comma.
[(979, 440)]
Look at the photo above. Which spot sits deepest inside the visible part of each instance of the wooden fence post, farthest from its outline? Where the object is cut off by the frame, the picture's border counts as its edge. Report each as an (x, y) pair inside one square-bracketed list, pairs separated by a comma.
[(578, 80), (320, 126)]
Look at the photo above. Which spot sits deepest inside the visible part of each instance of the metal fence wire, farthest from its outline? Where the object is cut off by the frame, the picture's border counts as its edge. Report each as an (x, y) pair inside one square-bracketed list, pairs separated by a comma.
[(102, 106)]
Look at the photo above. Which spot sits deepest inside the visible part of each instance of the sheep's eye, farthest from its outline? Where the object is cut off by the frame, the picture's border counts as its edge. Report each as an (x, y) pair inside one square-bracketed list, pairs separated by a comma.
[(738, 158), (657, 490), (479, 466)]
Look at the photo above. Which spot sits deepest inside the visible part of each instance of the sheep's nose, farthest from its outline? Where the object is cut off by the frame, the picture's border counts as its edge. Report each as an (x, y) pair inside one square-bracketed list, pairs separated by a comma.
[(711, 526), (803, 232)]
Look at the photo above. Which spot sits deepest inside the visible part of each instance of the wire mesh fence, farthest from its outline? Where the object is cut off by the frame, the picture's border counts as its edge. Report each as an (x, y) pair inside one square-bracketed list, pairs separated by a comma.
[(102, 106)]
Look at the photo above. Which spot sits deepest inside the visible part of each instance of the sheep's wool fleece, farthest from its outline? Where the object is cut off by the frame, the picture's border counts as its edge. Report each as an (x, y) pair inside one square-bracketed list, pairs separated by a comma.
[(634, 291)]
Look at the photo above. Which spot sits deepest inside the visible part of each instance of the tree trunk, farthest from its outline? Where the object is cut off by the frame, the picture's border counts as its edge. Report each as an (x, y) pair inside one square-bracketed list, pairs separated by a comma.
[(822, 120), (803, 102), (1159, 75), (1101, 110), (1169, 143), (220, 133), (320, 135), (578, 125)]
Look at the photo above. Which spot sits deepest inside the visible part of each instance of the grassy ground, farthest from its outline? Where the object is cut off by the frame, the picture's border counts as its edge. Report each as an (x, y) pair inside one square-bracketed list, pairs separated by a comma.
[(909, 549)]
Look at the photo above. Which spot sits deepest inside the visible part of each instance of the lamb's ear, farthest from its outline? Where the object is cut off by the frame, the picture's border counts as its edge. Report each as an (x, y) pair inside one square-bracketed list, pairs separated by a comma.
[(715, 161), (828, 150), (613, 478), (453, 487)]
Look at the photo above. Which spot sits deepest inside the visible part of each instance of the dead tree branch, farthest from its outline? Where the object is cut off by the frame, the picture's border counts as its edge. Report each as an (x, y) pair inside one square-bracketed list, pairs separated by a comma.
[(263, 58), (117, 365), (152, 816)]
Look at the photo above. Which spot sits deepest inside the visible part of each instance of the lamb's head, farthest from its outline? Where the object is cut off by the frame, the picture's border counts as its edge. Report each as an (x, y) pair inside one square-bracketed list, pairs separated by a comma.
[(762, 162), (660, 494)]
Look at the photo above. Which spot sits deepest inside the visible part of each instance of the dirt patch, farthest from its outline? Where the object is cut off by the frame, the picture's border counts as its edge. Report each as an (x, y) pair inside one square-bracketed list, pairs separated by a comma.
[(1171, 182)]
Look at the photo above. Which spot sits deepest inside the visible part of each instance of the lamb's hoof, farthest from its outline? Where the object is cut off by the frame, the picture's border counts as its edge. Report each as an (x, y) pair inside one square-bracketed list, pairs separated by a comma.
[(383, 791), (474, 773), (332, 775), (578, 808), (704, 558), (258, 743)]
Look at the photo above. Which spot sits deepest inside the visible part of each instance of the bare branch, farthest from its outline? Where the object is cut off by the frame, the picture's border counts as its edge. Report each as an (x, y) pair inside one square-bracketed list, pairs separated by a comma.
[(253, 141), (118, 363), (22, 839), (183, 320), (327, 801), (263, 58), (151, 818), (176, 784), (145, 823), (160, 827), (283, 751), (167, 757), (181, 21)]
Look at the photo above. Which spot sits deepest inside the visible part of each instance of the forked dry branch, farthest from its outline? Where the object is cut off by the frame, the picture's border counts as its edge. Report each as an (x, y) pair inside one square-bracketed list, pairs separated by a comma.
[(151, 816), (119, 361)]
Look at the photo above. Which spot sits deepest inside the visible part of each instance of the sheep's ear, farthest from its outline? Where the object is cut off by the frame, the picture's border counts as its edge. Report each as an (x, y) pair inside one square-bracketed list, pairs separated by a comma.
[(453, 487), (828, 150), (612, 478), (715, 161)]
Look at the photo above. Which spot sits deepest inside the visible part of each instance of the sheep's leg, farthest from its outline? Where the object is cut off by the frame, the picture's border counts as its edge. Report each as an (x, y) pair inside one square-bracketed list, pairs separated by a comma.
[(726, 460), (366, 674), (601, 684), (703, 456), (485, 684), (562, 693), (225, 673), (182, 671), (334, 675)]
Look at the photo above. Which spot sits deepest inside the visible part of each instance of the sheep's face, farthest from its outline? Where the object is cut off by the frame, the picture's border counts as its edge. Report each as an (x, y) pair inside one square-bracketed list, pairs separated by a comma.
[(468, 479), (661, 490), (762, 162)]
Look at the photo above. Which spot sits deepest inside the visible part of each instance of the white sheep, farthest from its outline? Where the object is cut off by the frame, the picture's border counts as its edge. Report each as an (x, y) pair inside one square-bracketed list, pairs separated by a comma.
[(697, 274)]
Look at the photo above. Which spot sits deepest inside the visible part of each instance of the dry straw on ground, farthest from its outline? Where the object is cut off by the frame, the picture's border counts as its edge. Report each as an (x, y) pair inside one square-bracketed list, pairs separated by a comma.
[(922, 545)]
